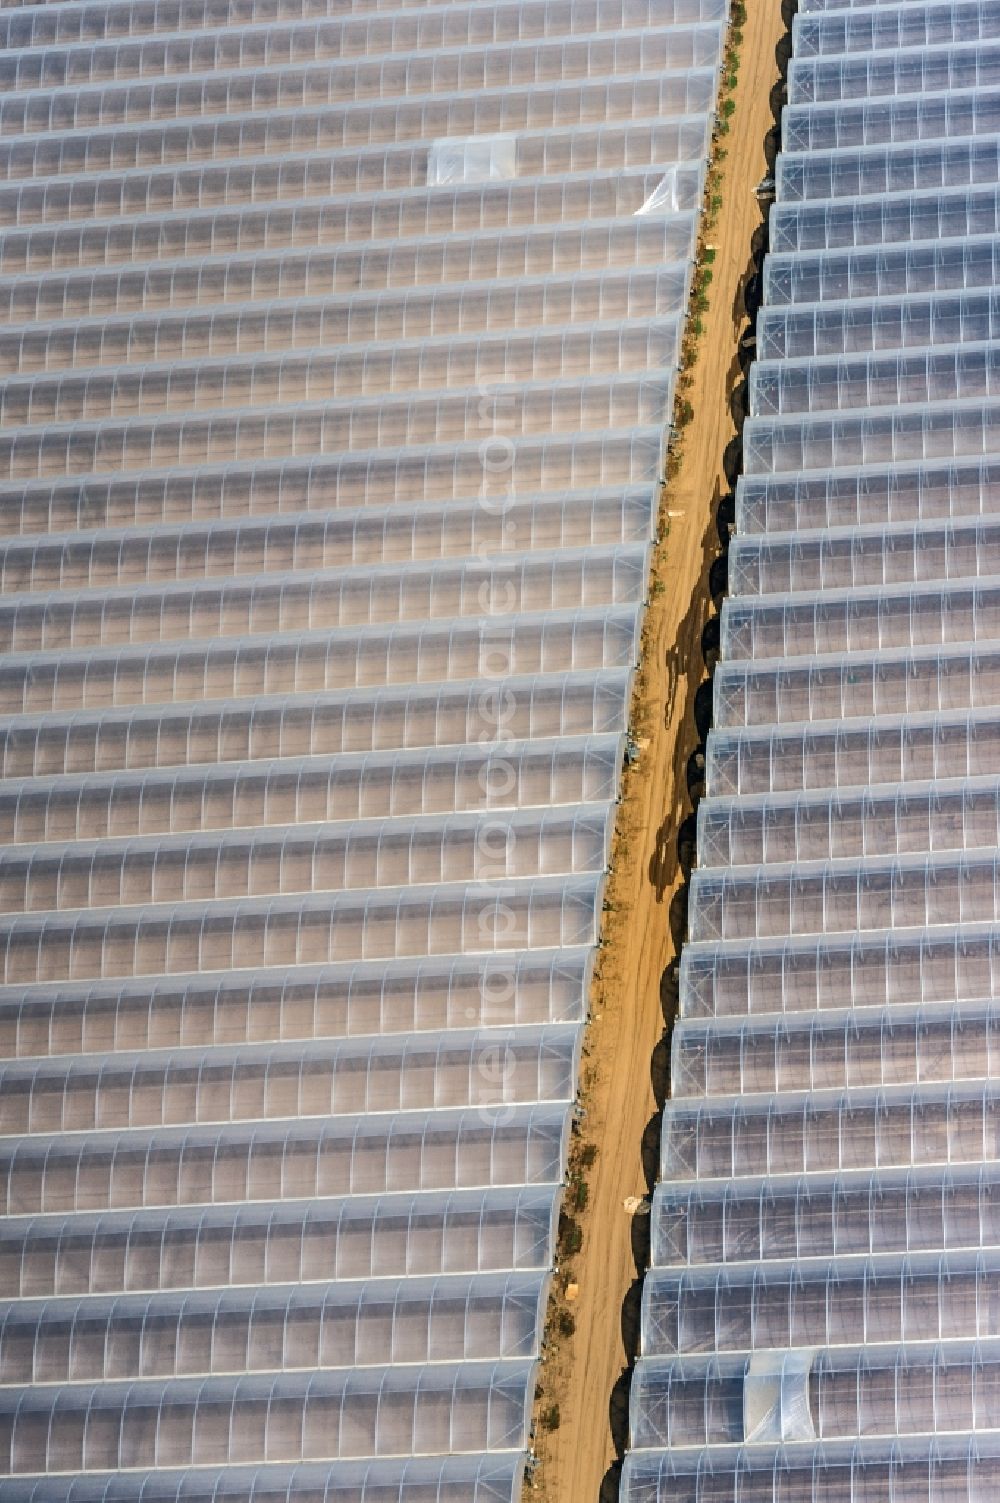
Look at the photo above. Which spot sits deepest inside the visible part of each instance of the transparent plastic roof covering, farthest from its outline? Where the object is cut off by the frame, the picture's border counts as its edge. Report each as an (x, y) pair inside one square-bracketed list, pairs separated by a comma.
[(819, 1318), (337, 351)]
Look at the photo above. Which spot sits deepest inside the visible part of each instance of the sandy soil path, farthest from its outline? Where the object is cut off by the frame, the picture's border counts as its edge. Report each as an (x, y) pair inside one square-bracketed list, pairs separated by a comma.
[(585, 1372)]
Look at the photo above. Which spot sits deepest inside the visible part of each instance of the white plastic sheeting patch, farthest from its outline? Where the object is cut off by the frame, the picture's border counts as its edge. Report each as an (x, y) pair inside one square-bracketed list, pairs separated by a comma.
[(776, 1397), (665, 197), (488, 159)]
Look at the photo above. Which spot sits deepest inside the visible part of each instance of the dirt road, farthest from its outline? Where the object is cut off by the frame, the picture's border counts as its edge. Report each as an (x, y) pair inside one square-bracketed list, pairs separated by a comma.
[(584, 1373)]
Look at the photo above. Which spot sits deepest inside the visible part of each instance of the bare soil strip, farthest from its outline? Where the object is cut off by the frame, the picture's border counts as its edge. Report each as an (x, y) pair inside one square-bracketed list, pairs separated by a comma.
[(585, 1373)]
